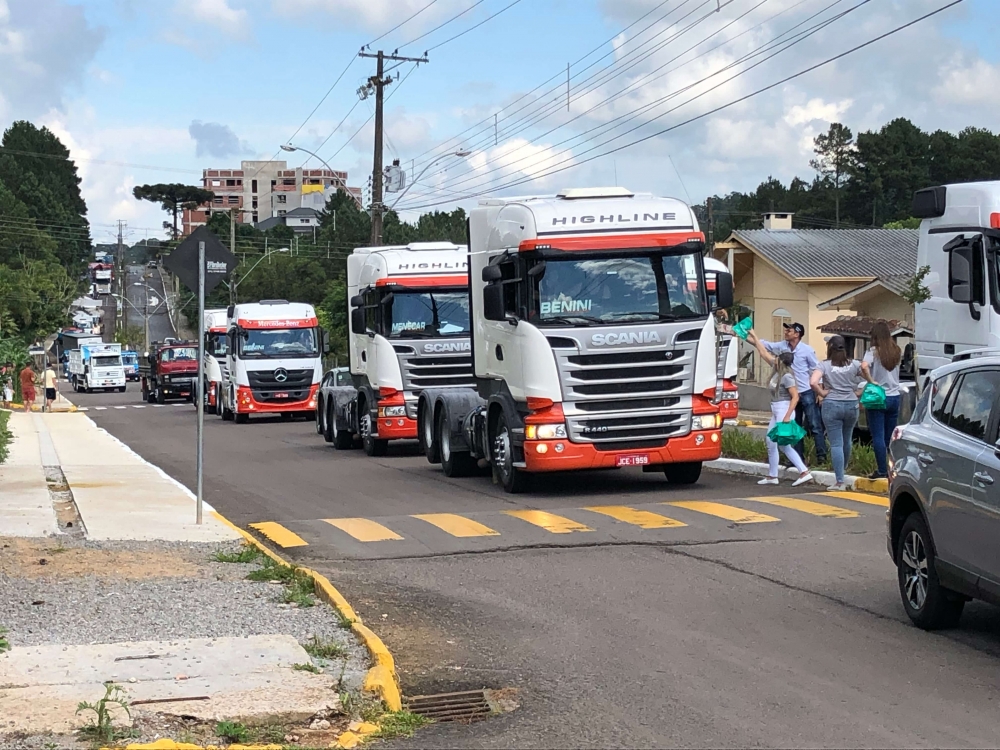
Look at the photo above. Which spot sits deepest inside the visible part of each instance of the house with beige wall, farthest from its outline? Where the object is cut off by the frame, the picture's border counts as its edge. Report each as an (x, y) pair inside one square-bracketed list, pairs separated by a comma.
[(815, 276)]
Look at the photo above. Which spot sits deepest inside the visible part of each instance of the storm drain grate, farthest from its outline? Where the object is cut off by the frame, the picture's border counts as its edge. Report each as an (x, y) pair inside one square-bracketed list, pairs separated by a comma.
[(471, 705)]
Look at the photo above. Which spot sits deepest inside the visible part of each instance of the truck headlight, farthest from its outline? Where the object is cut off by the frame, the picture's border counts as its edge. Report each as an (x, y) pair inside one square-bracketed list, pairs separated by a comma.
[(705, 422), (730, 396), (392, 411), (544, 431)]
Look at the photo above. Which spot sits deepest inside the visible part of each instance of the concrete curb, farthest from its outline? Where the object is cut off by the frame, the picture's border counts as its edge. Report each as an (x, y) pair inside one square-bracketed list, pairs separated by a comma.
[(165, 744), (381, 678), (753, 468)]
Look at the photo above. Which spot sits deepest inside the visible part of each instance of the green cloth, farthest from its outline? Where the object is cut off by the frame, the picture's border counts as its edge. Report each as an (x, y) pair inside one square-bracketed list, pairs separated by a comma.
[(786, 433)]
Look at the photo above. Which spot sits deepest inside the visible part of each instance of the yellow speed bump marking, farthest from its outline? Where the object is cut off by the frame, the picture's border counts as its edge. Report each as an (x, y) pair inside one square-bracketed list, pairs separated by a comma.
[(860, 497), (807, 506), (457, 525), (363, 529), (548, 521), (729, 512), (279, 534), (641, 518)]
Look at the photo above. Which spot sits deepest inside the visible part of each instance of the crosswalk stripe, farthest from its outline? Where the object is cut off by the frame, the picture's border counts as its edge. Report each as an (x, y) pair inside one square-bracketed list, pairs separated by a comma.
[(138, 406), (101, 408), (82, 408), (548, 521), (279, 534), (121, 407), (860, 497), (729, 512), (180, 404), (807, 506), (363, 529), (457, 525), (158, 406), (641, 518)]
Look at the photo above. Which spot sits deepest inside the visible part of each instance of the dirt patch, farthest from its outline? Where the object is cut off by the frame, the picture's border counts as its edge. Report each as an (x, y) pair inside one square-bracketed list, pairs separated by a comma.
[(50, 558)]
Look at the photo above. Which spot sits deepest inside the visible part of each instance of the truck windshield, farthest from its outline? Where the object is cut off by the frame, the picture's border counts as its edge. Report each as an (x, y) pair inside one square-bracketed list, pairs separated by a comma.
[(107, 361), (600, 290), (427, 313), (278, 343), (179, 354), (216, 344)]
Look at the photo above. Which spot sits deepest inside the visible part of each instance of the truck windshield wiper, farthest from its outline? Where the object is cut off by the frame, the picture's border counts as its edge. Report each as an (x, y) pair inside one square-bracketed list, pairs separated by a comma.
[(656, 315), (571, 319)]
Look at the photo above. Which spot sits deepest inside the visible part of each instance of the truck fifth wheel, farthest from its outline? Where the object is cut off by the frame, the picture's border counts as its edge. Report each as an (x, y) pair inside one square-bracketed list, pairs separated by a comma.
[(594, 344)]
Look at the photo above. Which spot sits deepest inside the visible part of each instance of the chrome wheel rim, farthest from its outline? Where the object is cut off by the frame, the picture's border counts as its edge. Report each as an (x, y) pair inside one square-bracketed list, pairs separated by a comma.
[(428, 432), (914, 565), (366, 426), (501, 449)]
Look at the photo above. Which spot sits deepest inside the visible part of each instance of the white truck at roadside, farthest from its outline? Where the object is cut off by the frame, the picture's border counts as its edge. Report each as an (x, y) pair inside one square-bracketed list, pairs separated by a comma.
[(96, 365), (215, 325)]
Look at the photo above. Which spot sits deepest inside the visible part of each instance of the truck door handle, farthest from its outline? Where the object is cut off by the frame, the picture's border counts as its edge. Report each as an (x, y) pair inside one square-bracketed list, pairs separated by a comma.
[(982, 477), (925, 458)]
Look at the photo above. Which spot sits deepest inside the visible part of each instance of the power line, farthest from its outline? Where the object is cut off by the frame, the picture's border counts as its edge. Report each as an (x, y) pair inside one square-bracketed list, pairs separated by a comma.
[(400, 24), (472, 28), (440, 26)]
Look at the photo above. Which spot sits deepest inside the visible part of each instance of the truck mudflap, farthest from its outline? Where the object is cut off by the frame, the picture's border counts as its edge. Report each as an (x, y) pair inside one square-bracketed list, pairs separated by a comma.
[(452, 405), (563, 455), (343, 399)]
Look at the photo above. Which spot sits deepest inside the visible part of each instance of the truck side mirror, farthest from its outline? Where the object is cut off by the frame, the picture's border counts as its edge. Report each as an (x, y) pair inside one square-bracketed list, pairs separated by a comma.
[(326, 341), (358, 321), (493, 301), (357, 300), (960, 275), (723, 291), (491, 274)]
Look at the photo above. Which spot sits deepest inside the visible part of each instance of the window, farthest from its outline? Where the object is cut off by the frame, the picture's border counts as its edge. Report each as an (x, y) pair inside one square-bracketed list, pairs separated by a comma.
[(217, 200), (282, 199), (939, 400), (303, 221), (779, 318), (288, 182), (254, 206), (426, 313), (216, 183), (973, 401), (281, 212), (234, 200), (371, 310), (230, 183), (253, 186), (278, 343)]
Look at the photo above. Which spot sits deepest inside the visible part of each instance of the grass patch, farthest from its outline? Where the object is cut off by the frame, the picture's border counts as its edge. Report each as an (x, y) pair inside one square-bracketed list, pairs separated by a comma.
[(247, 554), (359, 706), (306, 668), (4, 643), (272, 571), (300, 590), (343, 620), (5, 436), (400, 724), (746, 446), (320, 649), (232, 732), (103, 730), (743, 445)]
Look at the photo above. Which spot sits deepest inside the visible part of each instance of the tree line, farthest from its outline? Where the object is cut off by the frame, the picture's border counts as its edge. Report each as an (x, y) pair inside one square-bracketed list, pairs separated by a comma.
[(863, 181)]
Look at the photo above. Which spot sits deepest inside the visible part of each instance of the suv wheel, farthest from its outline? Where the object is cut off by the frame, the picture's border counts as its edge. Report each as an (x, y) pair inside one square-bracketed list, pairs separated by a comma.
[(927, 603)]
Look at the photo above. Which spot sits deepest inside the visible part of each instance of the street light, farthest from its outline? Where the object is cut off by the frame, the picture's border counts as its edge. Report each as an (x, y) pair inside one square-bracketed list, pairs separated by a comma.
[(145, 314), (461, 153), (235, 284), (290, 147)]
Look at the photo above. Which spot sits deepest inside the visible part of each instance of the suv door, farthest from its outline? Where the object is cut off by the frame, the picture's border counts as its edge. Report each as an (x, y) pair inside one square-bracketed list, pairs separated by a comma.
[(984, 511)]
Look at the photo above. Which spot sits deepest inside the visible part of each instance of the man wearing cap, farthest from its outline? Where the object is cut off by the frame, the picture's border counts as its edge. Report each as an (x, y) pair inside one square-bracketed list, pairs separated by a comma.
[(807, 412)]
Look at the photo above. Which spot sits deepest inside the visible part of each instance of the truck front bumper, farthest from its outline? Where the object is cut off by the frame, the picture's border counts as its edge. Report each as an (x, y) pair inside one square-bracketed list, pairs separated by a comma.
[(397, 428), (698, 446), (247, 404)]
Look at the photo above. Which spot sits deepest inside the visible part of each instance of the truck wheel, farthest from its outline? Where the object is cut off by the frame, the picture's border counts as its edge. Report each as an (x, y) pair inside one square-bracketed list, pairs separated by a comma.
[(373, 446), (687, 473), (453, 463), (508, 476), (343, 440), (122, 389), (320, 417), (161, 397), (328, 419), (427, 435)]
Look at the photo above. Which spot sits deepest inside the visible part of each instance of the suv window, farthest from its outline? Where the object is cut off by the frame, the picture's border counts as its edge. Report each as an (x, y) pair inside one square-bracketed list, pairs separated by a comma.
[(939, 401), (973, 401)]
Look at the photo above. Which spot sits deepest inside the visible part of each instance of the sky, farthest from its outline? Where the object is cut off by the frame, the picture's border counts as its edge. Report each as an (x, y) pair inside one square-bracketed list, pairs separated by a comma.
[(663, 93)]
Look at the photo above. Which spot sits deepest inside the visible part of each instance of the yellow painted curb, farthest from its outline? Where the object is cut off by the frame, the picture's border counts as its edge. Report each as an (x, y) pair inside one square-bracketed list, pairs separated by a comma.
[(347, 740), (165, 744), (874, 486), (381, 678)]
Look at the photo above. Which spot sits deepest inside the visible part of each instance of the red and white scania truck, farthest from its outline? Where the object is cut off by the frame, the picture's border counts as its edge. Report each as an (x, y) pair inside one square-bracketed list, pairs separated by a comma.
[(273, 361), (409, 310), (591, 346)]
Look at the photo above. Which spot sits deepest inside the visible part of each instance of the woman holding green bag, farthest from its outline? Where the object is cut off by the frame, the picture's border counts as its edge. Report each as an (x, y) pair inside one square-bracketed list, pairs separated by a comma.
[(883, 358), (784, 397)]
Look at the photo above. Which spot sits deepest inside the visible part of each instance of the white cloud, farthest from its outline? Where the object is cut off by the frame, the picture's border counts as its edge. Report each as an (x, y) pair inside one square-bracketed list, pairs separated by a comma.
[(216, 139), (817, 110), (969, 82), (218, 14), (374, 15)]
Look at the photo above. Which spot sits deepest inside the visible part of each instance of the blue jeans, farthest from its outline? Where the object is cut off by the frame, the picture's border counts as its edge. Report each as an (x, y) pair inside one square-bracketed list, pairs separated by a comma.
[(881, 423), (807, 414), (840, 418)]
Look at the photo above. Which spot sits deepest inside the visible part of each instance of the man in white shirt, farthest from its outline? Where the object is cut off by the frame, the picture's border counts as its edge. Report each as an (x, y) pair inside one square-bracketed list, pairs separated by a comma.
[(807, 413)]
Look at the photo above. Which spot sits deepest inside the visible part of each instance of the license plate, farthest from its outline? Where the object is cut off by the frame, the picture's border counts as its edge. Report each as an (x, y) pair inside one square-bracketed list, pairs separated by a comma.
[(634, 460), (281, 395)]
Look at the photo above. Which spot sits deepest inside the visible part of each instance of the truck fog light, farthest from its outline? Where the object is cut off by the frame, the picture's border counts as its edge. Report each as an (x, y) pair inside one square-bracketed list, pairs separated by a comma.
[(400, 422), (715, 437), (699, 439), (542, 448), (388, 423), (560, 447)]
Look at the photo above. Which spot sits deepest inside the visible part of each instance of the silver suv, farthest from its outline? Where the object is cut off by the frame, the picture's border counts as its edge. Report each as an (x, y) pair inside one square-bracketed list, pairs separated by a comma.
[(943, 522)]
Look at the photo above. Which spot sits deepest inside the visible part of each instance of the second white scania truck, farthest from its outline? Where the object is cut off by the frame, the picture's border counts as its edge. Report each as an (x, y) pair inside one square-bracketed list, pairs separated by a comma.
[(593, 341)]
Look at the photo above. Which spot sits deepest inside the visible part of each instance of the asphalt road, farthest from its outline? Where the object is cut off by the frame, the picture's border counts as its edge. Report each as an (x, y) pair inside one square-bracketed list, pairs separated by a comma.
[(779, 628), (149, 290)]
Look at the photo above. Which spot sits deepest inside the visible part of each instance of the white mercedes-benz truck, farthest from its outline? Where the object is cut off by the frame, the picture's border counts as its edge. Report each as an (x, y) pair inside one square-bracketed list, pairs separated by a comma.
[(214, 327), (409, 312), (959, 242), (593, 340), (274, 360)]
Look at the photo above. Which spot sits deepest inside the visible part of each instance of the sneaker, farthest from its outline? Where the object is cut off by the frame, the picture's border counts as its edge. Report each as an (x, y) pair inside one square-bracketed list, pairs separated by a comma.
[(803, 478), (768, 480), (838, 487), (877, 475)]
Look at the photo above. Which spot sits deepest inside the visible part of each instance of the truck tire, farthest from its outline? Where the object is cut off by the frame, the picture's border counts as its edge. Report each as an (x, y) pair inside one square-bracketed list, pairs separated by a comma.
[(427, 434), (122, 389), (326, 427), (343, 440), (686, 473), (320, 419), (372, 445), (161, 397), (508, 476), (453, 463)]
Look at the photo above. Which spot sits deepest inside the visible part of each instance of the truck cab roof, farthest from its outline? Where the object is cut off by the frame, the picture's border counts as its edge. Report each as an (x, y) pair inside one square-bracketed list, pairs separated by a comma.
[(274, 314), (416, 264)]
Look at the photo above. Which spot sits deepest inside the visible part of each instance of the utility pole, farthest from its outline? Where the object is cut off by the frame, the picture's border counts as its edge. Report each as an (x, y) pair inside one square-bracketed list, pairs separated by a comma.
[(711, 224), (376, 84), (232, 249), (122, 281)]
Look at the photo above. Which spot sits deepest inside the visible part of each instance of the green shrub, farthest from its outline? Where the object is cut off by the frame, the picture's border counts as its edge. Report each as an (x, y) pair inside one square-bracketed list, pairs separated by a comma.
[(747, 446)]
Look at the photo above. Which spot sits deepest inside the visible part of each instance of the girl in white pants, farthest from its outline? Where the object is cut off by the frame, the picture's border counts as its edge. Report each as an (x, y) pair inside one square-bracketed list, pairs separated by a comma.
[(784, 397)]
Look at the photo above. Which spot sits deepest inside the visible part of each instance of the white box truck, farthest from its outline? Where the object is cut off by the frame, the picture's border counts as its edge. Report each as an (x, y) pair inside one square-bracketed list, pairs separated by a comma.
[(96, 366)]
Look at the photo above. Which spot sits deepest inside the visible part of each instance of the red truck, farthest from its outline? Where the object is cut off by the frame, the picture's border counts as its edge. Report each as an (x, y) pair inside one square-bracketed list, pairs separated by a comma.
[(169, 370)]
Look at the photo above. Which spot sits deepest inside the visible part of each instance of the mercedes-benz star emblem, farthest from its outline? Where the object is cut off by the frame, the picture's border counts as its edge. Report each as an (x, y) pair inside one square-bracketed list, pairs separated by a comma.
[(280, 375)]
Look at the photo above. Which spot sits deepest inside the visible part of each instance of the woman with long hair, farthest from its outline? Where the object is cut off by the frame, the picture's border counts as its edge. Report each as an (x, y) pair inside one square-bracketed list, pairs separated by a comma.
[(883, 358), (784, 397), (836, 383)]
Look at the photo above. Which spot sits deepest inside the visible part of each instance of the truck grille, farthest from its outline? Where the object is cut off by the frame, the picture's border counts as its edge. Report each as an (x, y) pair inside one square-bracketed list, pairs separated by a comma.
[(265, 385), (439, 370)]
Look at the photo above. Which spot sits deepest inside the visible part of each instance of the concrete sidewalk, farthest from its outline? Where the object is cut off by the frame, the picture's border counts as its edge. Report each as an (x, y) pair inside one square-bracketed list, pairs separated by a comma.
[(25, 506)]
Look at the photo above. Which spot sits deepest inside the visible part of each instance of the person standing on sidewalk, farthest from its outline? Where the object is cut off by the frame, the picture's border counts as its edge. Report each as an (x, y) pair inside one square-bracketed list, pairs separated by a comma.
[(50, 386), (784, 397), (807, 412), (7, 384), (27, 387), (836, 382), (883, 358)]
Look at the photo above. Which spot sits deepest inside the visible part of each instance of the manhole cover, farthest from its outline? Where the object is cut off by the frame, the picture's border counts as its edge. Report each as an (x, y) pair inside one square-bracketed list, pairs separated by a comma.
[(470, 705)]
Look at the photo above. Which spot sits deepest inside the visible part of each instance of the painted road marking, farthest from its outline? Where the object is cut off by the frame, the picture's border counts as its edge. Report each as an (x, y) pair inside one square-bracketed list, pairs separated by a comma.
[(100, 408), (729, 512), (457, 525), (860, 497), (641, 518), (138, 406), (364, 530), (158, 406), (180, 404), (121, 407), (807, 506), (82, 408), (548, 521), (279, 534)]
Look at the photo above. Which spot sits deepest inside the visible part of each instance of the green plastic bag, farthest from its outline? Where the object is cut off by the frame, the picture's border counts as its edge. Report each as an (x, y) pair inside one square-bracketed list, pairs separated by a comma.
[(742, 328), (786, 433), (873, 397)]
